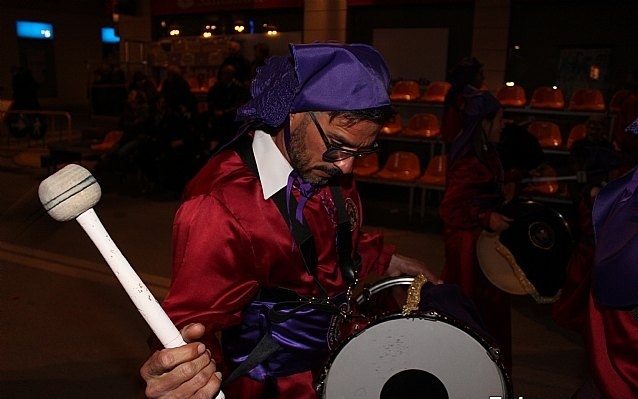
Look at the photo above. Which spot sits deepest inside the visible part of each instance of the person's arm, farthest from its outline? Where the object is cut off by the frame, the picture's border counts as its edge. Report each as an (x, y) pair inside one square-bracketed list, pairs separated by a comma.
[(210, 285), (404, 265), (381, 259)]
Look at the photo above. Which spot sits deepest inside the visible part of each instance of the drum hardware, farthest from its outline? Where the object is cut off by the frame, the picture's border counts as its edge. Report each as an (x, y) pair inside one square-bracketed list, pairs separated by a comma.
[(369, 291), (426, 351), (579, 177)]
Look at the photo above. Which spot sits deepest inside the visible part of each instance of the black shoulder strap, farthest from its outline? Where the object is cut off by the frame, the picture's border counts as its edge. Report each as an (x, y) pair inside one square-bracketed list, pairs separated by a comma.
[(300, 232), (266, 347)]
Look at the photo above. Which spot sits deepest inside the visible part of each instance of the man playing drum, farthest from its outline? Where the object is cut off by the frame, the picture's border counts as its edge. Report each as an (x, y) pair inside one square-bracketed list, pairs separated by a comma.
[(268, 241)]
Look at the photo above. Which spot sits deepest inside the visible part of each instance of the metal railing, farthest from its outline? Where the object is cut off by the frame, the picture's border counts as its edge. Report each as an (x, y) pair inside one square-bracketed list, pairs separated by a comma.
[(27, 126)]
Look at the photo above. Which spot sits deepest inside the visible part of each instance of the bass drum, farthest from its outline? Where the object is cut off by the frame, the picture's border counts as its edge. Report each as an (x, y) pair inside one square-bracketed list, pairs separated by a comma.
[(423, 354), (531, 256)]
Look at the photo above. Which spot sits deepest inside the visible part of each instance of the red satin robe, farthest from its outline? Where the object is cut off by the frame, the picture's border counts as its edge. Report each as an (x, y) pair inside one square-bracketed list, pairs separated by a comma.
[(612, 344), (571, 309), (228, 242), (473, 190)]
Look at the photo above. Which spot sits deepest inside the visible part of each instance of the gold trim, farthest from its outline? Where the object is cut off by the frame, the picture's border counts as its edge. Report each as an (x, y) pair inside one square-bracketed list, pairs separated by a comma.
[(522, 279), (414, 295)]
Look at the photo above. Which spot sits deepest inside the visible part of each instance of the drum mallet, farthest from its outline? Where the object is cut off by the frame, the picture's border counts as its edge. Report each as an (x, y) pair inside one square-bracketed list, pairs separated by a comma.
[(71, 193)]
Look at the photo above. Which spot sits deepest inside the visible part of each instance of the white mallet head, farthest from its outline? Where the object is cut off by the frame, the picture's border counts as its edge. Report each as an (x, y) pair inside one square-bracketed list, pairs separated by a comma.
[(69, 192)]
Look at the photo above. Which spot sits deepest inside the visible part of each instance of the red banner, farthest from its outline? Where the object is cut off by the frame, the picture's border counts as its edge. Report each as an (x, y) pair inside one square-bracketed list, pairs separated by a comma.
[(168, 7), (354, 3)]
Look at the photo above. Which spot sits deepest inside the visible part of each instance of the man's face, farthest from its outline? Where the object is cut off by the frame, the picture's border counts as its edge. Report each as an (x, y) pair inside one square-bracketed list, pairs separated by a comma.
[(307, 146)]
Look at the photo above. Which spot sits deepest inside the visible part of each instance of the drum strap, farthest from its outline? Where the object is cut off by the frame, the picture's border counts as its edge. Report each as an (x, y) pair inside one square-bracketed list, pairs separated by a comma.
[(264, 349)]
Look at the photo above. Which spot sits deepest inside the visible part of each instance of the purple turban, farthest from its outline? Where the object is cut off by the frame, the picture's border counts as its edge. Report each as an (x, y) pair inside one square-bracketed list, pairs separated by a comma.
[(317, 77)]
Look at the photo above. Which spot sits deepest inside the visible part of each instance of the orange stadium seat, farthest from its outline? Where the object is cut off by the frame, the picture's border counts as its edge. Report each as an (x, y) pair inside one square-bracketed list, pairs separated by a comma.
[(109, 141), (577, 132), (548, 98), (434, 174), (587, 100), (617, 99), (394, 126), (547, 133), (511, 96), (423, 124), (405, 90), (366, 166), (401, 166), (436, 92)]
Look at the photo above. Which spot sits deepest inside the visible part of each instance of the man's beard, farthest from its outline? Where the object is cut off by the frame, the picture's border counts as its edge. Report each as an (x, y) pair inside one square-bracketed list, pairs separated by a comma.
[(300, 161)]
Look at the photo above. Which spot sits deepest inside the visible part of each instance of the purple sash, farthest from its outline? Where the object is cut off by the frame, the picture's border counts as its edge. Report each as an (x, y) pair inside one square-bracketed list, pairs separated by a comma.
[(301, 332)]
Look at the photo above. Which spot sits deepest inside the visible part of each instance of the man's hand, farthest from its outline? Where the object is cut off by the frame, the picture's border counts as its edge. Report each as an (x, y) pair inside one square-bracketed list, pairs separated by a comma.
[(499, 222), (184, 372), (400, 265)]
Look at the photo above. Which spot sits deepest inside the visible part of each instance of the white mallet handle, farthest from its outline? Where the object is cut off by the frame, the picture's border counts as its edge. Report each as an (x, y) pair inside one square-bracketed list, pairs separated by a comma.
[(143, 299), (139, 293)]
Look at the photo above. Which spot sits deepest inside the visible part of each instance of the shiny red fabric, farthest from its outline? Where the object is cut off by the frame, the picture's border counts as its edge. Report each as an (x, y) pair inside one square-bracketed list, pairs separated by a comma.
[(471, 185), (572, 307), (613, 351), (228, 242)]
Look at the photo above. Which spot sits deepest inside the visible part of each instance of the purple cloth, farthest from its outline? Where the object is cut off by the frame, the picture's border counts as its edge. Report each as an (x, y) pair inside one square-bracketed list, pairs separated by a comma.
[(303, 339), (615, 220), (317, 77), (306, 190)]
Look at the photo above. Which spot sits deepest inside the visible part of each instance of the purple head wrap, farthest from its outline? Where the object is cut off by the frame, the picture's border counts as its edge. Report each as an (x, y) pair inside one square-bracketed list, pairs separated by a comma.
[(477, 104), (317, 77)]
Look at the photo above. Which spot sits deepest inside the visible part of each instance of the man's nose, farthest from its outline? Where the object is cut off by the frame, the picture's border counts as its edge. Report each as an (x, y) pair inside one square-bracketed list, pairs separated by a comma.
[(346, 165)]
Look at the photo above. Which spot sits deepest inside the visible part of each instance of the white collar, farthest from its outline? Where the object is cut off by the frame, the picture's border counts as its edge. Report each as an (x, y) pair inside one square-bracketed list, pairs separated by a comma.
[(272, 167)]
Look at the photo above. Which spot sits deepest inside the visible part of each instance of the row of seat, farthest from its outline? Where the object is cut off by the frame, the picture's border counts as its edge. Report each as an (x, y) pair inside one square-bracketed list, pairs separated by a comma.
[(410, 90), (427, 125), (546, 97), (421, 124), (549, 134), (405, 167), (543, 97)]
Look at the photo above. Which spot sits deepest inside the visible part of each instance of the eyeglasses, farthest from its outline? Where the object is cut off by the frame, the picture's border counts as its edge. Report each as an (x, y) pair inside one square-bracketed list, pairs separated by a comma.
[(335, 153)]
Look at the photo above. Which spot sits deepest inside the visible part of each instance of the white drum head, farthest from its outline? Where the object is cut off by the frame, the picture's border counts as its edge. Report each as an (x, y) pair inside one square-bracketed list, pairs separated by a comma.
[(420, 355), (495, 266)]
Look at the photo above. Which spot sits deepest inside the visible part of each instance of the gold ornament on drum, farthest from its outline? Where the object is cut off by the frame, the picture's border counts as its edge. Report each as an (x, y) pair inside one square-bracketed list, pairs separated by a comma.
[(414, 295)]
